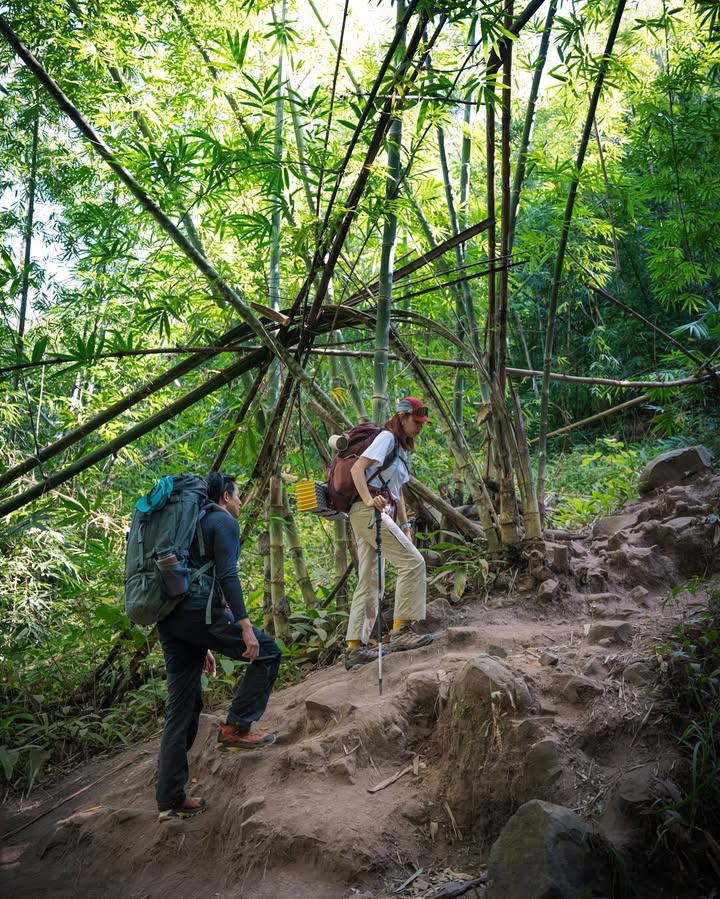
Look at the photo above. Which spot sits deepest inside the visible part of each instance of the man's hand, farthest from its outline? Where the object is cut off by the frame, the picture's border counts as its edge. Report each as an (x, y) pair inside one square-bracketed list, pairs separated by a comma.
[(209, 666), (252, 647)]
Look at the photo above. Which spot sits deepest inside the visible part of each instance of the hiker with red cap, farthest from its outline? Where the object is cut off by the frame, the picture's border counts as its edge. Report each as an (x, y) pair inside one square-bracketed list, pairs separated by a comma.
[(382, 490)]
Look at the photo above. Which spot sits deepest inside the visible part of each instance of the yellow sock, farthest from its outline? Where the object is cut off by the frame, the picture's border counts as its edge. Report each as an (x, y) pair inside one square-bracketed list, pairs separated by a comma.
[(353, 644), (398, 623)]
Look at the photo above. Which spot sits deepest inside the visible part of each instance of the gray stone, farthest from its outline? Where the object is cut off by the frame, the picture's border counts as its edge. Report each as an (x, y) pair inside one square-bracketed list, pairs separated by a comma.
[(613, 524), (343, 769), (545, 852), (328, 704), (559, 554), (614, 631), (423, 690), (575, 688), (595, 668), (496, 651), (483, 680), (548, 659), (542, 764), (547, 591), (597, 579), (638, 673), (674, 467), (438, 612)]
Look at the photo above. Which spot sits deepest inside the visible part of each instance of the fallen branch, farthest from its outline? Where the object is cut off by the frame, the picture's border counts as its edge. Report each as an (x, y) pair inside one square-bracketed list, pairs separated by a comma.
[(390, 780), (455, 888)]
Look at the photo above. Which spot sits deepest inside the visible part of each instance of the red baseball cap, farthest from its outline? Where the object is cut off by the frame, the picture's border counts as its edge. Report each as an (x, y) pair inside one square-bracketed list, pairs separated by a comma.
[(415, 406)]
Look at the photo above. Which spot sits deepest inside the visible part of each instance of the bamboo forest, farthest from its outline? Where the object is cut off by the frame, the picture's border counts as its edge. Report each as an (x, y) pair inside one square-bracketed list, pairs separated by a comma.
[(231, 229)]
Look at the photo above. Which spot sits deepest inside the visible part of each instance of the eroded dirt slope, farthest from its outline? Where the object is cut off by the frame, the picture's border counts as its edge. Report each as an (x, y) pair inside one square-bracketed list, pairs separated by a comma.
[(538, 694)]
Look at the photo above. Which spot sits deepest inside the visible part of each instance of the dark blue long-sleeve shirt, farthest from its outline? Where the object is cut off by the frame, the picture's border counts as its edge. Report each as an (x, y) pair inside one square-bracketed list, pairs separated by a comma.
[(221, 534)]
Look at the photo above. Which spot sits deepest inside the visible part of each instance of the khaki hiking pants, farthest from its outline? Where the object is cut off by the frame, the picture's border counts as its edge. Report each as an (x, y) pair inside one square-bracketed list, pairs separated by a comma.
[(411, 585)]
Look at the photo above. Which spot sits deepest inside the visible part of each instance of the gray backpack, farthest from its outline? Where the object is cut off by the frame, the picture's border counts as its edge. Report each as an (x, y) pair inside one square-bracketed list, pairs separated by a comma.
[(158, 572)]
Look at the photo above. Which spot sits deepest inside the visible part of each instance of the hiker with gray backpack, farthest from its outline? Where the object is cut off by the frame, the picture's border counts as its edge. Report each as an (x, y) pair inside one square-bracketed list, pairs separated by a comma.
[(379, 474), (181, 572)]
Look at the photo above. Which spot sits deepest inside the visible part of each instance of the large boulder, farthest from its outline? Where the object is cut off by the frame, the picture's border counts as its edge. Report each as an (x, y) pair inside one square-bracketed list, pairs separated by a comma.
[(483, 680), (674, 467), (546, 851)]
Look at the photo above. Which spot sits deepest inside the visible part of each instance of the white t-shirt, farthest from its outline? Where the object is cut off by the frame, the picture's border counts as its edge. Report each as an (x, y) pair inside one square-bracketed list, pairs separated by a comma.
[(396, 474)]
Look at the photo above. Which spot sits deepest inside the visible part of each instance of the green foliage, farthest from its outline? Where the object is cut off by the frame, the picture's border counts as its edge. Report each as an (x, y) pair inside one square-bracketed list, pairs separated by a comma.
[(690, 662), (587, 486)]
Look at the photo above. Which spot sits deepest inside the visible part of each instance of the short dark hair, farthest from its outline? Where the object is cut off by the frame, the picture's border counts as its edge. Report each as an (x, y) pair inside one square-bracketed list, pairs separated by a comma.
[(218, 483)]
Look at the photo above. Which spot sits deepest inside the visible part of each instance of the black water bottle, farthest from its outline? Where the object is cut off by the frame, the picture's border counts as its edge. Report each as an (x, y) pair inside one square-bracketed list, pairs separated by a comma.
[(173, 573)]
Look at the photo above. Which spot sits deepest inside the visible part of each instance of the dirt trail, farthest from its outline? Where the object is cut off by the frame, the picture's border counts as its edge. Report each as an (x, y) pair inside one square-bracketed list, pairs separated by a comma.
[(570, 711)]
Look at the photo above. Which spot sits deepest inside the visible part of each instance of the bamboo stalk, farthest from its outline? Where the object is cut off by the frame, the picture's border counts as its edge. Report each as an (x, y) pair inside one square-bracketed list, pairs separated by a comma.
[(521, 165), (297, 556), (457, 520), (97, 421), (562, 245), (595, 286), (226, 376), (346, 355), (387, 252), (28, 230), (252, 390), (263, 544), (280, 604), (635, 401)]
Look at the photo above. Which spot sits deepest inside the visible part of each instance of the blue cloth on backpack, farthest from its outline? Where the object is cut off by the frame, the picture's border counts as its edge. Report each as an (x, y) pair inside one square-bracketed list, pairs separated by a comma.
[(157, 497)]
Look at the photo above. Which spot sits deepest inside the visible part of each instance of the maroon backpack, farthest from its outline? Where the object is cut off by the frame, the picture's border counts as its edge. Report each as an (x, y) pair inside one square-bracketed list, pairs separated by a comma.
[(341, 490)]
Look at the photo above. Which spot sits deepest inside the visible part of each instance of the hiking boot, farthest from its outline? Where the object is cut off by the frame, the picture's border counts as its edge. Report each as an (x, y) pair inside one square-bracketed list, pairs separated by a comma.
[(190, 807), (405, 639), (232, 739), (361, 655)]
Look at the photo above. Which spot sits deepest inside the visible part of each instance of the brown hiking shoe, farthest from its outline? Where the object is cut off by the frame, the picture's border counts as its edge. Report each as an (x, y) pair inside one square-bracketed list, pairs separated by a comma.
[(405, 639), (232, 739)]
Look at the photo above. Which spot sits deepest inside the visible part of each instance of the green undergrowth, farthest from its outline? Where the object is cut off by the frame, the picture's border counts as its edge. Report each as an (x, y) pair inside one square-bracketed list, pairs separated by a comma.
[(591, 482), (63, 701), (690, 666), (76, 678)]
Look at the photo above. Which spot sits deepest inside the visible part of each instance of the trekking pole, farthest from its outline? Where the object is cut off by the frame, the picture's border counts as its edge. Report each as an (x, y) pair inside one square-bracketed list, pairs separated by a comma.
[(378, 544)]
